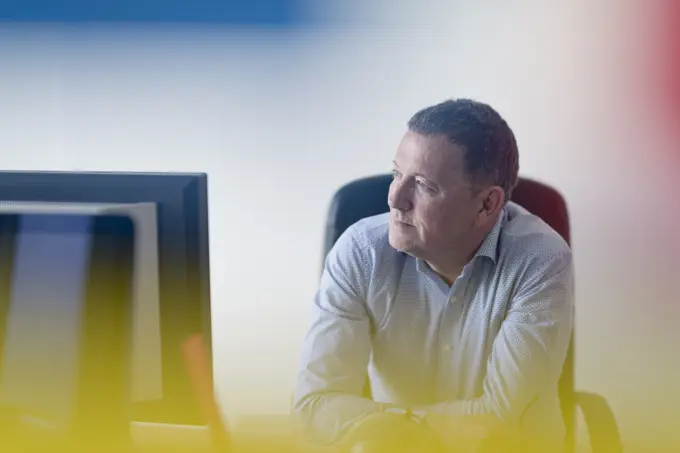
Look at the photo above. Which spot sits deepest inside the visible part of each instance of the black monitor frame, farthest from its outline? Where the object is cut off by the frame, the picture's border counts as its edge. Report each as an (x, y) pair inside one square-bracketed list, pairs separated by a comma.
[(183, 247)]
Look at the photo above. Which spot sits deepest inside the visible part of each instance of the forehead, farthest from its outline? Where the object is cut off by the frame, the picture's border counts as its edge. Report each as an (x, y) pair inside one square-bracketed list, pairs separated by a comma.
[(435, 158)]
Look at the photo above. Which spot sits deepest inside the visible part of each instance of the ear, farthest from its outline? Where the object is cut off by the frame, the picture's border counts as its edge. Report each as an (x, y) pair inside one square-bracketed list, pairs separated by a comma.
[(492, 201)]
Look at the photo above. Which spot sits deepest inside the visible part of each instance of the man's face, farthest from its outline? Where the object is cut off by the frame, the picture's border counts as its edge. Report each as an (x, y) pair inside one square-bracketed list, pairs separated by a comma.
[(432, 206)]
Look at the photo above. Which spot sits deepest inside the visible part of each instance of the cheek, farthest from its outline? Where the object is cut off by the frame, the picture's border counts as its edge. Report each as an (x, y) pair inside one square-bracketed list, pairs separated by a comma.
[(431, 217), (442, 219)]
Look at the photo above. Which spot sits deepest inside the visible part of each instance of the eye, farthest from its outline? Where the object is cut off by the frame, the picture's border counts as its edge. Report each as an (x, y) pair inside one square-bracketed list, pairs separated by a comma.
[(395, 174), (424, 186)]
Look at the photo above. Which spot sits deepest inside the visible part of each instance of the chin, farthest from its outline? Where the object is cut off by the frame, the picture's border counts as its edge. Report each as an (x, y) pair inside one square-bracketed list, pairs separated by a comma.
[(401, 243)]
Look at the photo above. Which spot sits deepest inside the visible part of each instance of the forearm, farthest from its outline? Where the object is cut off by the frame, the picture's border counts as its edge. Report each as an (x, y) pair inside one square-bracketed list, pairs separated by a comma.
[(475, 407), (505, 398), (326, 417)]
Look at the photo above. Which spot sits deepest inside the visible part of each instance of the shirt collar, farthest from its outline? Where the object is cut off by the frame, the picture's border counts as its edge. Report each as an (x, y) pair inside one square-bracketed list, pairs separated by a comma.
[(489, 247)]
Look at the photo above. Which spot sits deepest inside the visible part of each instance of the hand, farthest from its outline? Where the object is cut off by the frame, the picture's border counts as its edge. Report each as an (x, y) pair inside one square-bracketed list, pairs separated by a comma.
[(386, 432)]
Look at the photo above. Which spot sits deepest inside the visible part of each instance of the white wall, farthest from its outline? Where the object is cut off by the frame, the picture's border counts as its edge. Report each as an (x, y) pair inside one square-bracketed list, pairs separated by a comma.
[(280, 120)]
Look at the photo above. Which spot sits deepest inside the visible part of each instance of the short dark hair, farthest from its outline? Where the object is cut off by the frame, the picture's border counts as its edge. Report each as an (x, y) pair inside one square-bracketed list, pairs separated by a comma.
[(488, 143)]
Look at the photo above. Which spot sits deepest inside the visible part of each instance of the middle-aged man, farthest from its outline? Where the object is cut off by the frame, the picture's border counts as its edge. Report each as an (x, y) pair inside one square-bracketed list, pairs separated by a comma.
[(458, 304)]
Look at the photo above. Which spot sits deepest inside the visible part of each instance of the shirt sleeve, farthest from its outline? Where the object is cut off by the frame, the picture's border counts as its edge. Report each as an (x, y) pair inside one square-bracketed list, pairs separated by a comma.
[(336, 350), (530, 349)]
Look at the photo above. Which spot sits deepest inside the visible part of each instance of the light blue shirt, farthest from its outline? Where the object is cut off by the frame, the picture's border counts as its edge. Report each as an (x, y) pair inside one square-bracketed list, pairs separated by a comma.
[(494, 343)]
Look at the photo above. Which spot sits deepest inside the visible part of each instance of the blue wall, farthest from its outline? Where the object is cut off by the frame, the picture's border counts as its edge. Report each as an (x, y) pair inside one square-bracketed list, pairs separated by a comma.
[(275, 13)]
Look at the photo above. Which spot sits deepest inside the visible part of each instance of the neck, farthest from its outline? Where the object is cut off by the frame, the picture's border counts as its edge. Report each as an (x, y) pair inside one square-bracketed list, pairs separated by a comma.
[(449, 276), (448, 273), (449, 265)]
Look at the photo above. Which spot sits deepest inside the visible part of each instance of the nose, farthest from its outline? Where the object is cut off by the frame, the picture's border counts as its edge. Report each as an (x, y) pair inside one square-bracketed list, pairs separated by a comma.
[(399, 197)]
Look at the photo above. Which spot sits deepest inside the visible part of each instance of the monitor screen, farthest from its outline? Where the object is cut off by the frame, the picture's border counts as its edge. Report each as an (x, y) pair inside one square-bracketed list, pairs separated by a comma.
[(47, 284)]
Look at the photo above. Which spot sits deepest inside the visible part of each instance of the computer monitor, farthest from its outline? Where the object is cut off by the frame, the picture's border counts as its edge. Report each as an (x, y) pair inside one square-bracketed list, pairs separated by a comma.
[(66, 292), (181, 214)]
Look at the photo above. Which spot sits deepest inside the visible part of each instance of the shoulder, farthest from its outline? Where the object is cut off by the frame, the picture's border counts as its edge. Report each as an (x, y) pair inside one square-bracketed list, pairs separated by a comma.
[(361, 257), (364, 242), (531, 245)]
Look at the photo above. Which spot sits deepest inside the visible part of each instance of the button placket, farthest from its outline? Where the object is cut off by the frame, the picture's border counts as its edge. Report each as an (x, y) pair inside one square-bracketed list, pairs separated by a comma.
[(449, 357), (447, 349)]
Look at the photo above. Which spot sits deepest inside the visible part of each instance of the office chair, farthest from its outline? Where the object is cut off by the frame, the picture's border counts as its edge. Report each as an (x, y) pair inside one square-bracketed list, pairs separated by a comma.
[(368, 196)]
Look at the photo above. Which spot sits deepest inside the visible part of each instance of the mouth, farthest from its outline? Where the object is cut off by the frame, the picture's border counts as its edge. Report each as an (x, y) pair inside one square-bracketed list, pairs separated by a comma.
[(401, 222)]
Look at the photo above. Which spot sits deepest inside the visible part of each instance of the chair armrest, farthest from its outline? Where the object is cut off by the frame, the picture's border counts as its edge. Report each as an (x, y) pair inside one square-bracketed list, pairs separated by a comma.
[(602, 428)]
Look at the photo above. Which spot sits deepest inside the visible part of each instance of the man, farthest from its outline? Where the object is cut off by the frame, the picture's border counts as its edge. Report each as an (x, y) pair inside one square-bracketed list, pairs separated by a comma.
[(458, 303)]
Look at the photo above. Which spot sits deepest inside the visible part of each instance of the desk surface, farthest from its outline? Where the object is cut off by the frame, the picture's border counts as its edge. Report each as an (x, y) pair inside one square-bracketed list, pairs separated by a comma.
[(251, 434)]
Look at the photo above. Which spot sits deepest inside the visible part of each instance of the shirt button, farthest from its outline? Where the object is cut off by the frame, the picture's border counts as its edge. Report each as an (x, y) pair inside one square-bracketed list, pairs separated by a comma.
[(454, 299), (447, 348)]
